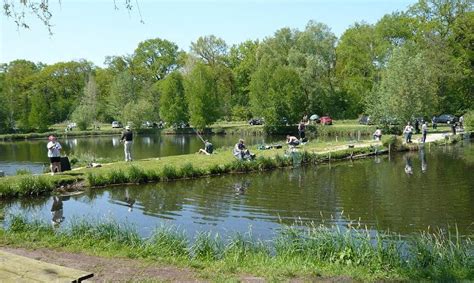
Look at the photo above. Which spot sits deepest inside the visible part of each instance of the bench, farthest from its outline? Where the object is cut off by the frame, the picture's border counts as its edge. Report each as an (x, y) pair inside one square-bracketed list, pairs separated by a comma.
[(15, 268)]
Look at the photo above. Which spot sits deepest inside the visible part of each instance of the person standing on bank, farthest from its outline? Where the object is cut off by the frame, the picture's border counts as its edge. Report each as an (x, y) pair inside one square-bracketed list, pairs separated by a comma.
[(301, 130), (54, 154), (127, 139), (424, 131)]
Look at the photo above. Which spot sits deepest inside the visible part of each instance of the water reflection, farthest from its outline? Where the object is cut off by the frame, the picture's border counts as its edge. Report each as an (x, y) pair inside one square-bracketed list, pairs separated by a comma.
[(130, 201), (241, 186), (424, 164), (381, 194), (57, 211), (408, 164)]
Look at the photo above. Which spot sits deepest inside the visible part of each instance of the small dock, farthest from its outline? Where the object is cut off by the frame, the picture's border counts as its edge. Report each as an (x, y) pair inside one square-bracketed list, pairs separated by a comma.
[(15, 268)]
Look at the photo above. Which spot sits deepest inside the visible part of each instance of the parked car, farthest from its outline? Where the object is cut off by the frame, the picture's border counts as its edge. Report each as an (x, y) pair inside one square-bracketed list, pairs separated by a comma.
[(116, 124), (325, 120), (256, 121), (365, 120), (446, 119)]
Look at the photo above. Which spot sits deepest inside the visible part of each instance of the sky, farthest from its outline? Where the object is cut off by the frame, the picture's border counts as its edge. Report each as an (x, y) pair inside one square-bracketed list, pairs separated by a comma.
[(93, 29)]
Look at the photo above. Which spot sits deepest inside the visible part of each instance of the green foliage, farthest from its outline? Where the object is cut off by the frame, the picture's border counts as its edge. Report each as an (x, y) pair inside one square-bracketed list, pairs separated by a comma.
[(23, 171), (395, 142), (153, 59), (276, 94), (173, 104), (202, 96), (469, 120), (350, 251), (408, 87), (86, 112), (411, 63)]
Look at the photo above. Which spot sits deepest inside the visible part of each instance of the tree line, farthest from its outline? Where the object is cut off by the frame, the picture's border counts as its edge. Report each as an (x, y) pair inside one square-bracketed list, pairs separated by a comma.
[(417, 62)]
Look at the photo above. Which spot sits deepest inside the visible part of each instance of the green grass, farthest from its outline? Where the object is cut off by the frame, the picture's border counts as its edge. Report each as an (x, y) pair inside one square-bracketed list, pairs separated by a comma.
[(180, 167), (294, 252)]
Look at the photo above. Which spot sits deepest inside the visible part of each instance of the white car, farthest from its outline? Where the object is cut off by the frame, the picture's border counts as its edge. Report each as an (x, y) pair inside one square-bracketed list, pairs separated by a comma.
[(116, 124)]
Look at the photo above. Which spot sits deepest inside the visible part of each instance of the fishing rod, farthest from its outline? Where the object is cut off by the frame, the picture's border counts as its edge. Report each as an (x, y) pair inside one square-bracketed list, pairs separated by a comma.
[(197, 133)]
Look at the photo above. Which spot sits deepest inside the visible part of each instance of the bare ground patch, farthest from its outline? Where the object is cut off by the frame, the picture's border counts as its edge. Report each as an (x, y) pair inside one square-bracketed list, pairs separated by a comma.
[(111, 269)]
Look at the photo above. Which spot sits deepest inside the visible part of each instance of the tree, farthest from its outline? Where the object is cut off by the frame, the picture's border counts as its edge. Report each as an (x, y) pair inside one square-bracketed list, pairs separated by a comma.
[(211, 49), (63, 84), (18, 78), (313, 56), (357, 65), (42, 112), (276, 94), (243, 62), (138, 112), (173, 104), (408, 87), (86, 112), (122, 91), (202, 96), (153, 59)]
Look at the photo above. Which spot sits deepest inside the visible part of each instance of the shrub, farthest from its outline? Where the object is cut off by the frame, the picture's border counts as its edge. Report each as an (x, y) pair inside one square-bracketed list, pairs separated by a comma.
[(137, 175), (395, 142), (96, 180), (23, 171), (469, 120), (117, 177), (188, 171), (169, 173)]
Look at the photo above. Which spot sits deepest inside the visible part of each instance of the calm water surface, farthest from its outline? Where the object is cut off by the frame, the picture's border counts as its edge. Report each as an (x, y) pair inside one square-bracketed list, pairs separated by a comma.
[(32, 154), (405, 193)]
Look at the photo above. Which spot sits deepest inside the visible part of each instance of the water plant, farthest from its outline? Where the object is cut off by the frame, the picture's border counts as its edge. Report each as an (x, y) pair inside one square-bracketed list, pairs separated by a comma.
[(353, 251)]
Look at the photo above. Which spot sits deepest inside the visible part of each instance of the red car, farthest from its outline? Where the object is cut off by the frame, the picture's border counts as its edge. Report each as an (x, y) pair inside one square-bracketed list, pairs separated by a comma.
[(325, 120)]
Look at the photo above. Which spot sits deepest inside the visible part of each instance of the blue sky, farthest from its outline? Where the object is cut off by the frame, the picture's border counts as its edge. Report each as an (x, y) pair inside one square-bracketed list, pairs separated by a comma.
[(93, 29)]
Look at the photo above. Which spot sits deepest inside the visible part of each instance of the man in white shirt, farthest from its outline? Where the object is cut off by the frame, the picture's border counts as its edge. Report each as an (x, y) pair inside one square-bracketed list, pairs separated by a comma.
[(54, 154)]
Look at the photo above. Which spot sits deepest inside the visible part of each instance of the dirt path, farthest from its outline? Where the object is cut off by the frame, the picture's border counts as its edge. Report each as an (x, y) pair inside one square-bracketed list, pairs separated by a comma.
[(111, 269), (134, 270)]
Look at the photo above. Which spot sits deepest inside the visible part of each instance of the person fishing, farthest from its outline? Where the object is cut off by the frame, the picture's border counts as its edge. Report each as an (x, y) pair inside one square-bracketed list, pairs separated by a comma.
[(127, 139), (54, 154), (208, 148), (241, 152), (292, 141)]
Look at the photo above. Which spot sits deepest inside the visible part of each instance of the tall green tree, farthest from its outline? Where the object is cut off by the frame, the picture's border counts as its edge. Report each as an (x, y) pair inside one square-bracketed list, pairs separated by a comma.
[(408, 87), (86, 112), (243, 63), (173, 104), (356, 67), (202, 96), (313, 56), (277, 94), (122, 91), (153, 59), (18, 80), (211, 49)]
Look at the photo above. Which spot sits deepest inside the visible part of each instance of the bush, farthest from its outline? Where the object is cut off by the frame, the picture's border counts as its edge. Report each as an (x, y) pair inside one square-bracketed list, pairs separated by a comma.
[(137, 175), (395, 142), (469, 120), (169, 173)]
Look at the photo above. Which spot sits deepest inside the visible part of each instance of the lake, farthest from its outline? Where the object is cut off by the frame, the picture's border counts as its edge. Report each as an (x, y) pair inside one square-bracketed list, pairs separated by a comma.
[(404, 193)]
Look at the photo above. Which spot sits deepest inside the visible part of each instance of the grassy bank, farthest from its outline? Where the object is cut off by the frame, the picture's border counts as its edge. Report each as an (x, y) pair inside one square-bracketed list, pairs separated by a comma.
[(303, 253), (183, 166), (195, 165)]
